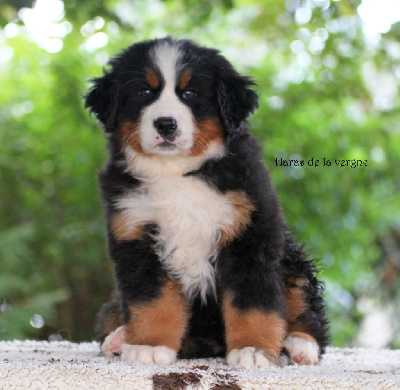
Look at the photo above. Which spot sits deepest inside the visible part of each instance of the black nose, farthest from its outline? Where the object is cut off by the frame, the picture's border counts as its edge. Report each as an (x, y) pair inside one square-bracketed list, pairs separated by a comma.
[(165, 126)]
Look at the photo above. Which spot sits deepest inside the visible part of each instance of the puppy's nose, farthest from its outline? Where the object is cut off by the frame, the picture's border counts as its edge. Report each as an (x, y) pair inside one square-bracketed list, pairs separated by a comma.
[(165, 126)]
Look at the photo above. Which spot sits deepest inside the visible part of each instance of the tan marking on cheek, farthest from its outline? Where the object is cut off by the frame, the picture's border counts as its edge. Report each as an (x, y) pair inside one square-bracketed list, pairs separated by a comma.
[(242, 211), (152, 78), (186, 76), (253, 328), (207, 131), (295, 301), (128, 134), (122, 230), (160, 322)]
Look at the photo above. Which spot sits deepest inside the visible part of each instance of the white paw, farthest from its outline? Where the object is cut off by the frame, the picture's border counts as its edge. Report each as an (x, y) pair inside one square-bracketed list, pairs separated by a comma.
[(248, 357), (301, 350), (149, 355), (112, 344)]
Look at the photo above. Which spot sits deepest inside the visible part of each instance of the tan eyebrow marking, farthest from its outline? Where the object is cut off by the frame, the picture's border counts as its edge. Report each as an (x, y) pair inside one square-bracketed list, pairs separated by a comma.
[(186, 76), (152, 78)]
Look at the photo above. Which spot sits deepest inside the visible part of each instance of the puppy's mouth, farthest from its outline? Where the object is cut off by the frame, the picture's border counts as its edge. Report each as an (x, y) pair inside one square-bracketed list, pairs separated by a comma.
[(169, 138), (167, 145)]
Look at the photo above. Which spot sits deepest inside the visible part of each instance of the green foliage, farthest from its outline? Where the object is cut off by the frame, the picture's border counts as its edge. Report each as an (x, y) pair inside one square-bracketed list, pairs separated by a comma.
[(316, 101)]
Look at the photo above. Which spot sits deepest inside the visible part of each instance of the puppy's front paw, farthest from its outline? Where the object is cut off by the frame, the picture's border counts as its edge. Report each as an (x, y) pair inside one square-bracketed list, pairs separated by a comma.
[(147, 354), (112, 344), (249, 357), (302, 349)]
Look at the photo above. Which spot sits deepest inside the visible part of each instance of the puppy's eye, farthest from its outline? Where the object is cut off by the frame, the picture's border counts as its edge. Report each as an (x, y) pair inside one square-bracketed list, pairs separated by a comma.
[(188, 94), (146, 92)]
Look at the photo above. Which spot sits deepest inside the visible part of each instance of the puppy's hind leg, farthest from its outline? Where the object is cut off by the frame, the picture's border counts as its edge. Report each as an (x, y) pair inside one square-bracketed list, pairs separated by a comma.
[(308, 331)]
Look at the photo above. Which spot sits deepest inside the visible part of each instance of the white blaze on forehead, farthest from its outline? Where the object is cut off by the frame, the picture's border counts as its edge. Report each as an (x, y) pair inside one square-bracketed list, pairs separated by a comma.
[(166, 56)]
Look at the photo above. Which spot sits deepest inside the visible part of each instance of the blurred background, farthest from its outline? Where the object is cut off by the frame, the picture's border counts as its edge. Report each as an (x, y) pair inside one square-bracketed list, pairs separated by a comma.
[(328, 75)]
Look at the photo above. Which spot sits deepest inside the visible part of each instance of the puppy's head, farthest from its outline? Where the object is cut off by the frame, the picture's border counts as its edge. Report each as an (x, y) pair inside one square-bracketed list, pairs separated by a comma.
[(171, 97)]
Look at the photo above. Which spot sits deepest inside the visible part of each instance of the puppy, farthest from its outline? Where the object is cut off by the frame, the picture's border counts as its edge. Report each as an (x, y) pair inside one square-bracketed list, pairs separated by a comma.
[(204, 263)]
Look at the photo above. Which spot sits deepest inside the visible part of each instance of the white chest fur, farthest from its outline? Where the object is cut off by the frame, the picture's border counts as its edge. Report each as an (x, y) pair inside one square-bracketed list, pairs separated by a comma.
[(190, 216)]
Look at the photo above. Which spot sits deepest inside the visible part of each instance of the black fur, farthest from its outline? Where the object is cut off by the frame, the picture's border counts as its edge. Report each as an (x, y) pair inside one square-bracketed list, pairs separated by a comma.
[(259, 264)]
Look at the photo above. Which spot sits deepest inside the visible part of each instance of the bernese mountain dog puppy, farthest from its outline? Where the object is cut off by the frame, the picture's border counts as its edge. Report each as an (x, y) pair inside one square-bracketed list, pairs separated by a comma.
[(204, 263)]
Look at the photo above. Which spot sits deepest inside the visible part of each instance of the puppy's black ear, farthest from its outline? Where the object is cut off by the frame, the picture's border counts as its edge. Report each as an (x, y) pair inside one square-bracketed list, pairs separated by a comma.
[(236, 100), (102, 100)]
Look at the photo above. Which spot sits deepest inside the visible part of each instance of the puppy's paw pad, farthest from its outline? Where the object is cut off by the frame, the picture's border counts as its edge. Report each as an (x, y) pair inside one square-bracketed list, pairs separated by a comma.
[(112, 344), (302, 350), (248, 357), (149, 355)]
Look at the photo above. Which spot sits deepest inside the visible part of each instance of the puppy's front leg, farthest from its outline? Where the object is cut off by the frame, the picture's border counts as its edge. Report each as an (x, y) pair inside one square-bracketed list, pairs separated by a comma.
[(155, 313), (155, 329)]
